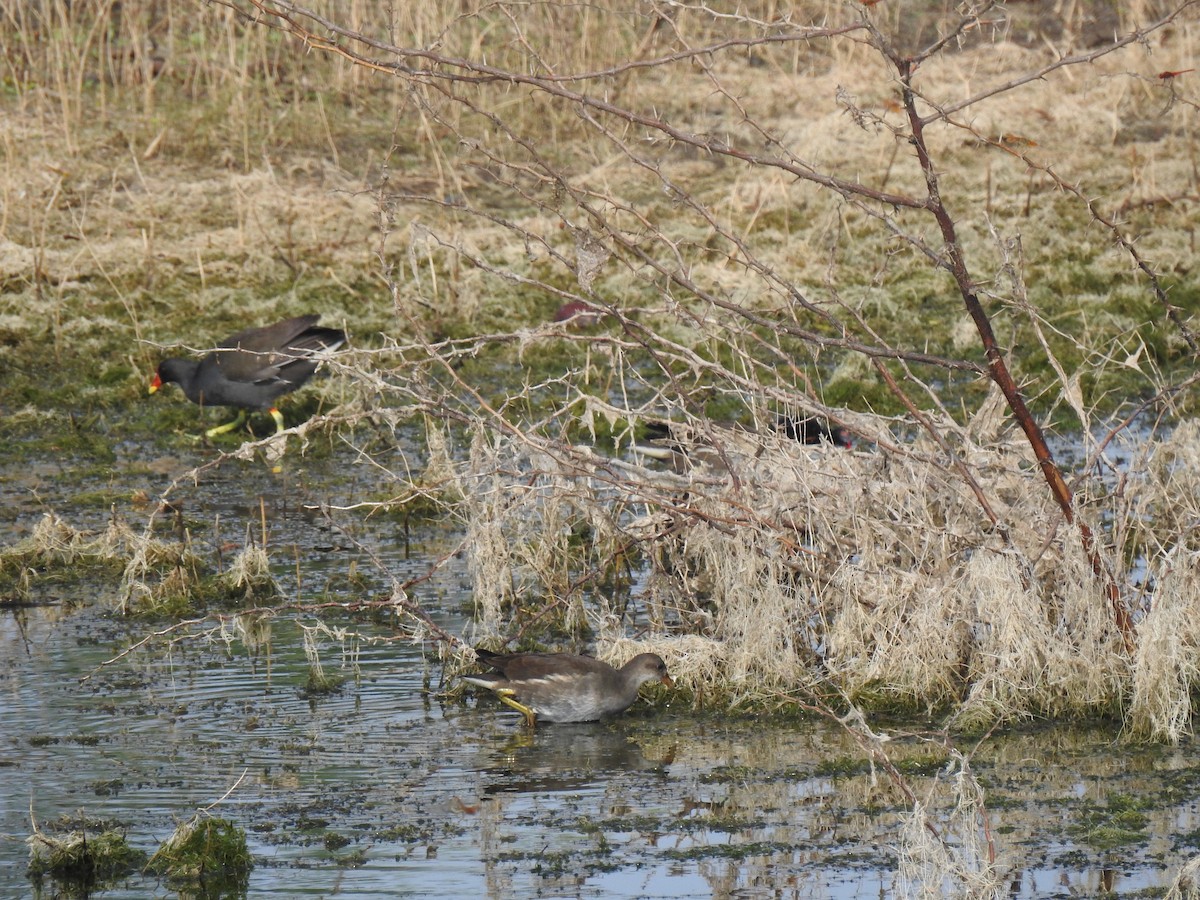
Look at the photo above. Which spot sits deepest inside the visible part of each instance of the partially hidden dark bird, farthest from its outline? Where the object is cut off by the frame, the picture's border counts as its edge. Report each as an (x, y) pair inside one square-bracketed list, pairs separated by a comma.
[(811, 430), (563, 687), (685, 447), (251, 369)]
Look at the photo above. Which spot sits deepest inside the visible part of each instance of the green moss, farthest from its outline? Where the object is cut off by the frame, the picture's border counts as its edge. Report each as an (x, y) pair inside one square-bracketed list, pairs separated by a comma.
[(209, 849), (884, 699), (407, 833), (921, 764), (22, 582), (748, 850), (334, 841), (83, 862), (1122, 820), (320, 684), (411, 507)]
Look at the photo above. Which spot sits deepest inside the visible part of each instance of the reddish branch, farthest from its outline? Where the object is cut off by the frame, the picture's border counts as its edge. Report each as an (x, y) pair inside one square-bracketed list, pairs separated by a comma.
[(956, 264)]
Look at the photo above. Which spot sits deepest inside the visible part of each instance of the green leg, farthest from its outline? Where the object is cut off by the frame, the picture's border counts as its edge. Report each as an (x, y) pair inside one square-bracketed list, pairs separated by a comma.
[(278, 417), (506, 697), (225, 429)]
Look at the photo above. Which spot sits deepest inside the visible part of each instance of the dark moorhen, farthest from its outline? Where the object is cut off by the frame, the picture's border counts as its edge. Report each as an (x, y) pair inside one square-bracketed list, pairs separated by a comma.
[(675, 446), (812, 430), (250, 369), (562, 687)]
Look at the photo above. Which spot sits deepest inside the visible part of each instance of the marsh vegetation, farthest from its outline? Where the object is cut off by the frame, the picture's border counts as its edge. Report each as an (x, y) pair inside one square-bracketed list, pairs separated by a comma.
[(967, 236)]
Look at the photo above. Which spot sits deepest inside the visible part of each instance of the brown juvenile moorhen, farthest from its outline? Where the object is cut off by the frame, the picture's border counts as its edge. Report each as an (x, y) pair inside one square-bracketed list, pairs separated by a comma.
[(250, 369), (562, 687)]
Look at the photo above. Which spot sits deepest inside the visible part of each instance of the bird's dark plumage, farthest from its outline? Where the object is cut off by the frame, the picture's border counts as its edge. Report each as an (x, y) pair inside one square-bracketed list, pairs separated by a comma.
[(685, 447), (251, 369), (812, 430), (562, 687)]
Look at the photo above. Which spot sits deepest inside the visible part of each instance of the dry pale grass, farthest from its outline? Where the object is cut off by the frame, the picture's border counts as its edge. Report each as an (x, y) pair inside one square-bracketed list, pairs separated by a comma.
[(158, 574), (81, 209), (250, 574), (154, 572), (1166, 668), (927, 569), (791, 567), (932, 572), (55, 545)]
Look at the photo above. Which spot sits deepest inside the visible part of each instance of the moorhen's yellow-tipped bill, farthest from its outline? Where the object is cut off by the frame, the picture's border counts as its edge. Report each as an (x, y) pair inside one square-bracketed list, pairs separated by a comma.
[(252, 368), (562, 687)]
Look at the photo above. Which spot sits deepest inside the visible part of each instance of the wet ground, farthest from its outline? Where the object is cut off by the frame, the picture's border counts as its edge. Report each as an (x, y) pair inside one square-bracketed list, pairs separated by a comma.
[(382, 788)]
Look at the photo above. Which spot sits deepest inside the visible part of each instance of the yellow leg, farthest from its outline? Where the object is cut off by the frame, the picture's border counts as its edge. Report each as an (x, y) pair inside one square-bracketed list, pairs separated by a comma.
[(278, 417), (228, 427), (506, 697)]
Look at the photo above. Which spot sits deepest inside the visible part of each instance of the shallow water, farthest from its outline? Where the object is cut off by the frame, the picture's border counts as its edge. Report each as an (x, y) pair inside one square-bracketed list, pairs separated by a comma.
[(380, 790)]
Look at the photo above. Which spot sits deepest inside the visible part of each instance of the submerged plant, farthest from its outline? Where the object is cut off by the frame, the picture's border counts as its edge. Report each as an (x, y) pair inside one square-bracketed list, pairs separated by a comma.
[(82, 861), (249, 578), (204, 848), (55, 549), (319, 681)]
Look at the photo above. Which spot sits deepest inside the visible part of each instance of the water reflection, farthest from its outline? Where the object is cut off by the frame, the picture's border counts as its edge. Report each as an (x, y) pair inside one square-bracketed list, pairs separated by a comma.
[(568, 757), (464, 801)]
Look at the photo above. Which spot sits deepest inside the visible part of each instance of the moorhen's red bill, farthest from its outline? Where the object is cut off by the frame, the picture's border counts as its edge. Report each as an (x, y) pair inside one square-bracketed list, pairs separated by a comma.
[(562, 687), (250, 369)]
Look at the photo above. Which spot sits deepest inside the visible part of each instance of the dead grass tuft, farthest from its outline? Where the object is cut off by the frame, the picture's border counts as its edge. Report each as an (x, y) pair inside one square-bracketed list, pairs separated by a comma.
[(1186, 885), (56, 548), (159, 576), (949, 855), (51, 543), (777, 568), (1166, 668), (249, 575), (83, 861)]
